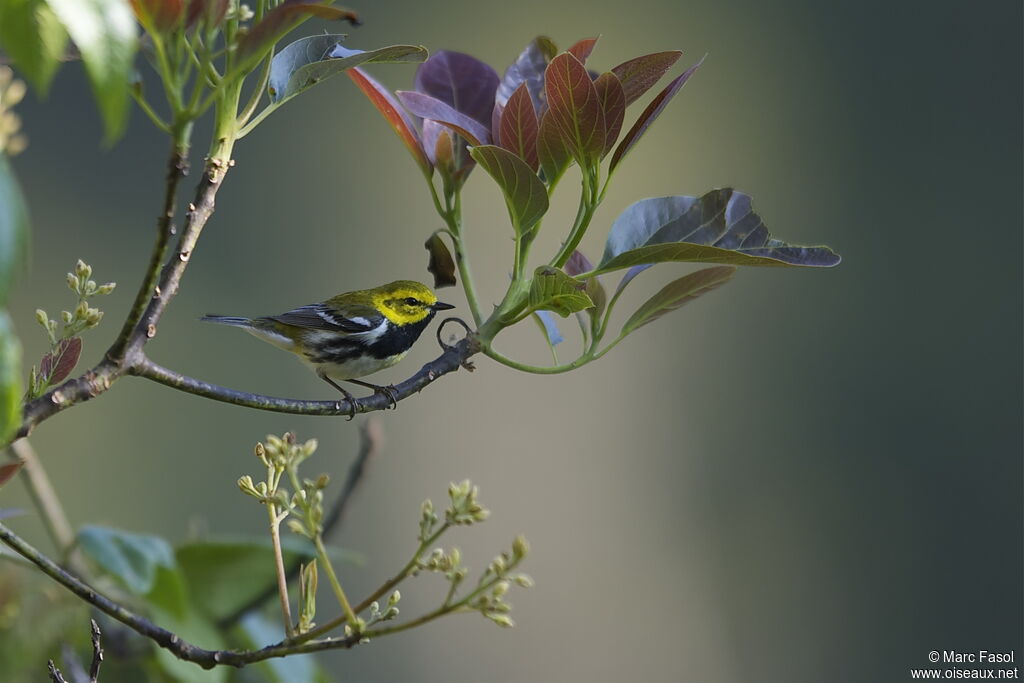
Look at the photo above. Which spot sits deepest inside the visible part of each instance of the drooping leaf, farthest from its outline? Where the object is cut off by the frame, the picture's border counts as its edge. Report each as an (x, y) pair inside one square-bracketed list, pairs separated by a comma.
[(650, 114), (677, 293), (552, 154), (519, 127), (525, 195), (441, 265), (528, 68), (582, 49), (56, 366), (719, 227), (613, 104), (10, 379), (8, 471), (461, 81), (277, 23), (133, 559), (309, 61), (105, 33), (551, 289), (549, 327), (34, 38), (428, 107), (640, 74), (14, 227), (575, 109), (394, 114)]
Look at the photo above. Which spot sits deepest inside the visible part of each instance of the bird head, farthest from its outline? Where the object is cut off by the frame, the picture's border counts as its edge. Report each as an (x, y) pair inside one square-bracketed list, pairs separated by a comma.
[(406, 302)]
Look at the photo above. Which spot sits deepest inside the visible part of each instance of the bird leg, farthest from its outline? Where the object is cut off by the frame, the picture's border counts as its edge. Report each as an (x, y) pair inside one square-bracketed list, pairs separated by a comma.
[(388, 391), (348, 397)]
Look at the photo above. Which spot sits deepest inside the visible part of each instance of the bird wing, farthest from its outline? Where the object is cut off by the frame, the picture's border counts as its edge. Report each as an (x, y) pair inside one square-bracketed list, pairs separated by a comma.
[(355, 319)]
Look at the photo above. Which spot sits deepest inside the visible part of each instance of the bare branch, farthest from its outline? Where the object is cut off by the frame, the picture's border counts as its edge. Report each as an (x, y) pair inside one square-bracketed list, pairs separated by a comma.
[(97, 652), (55, 675)]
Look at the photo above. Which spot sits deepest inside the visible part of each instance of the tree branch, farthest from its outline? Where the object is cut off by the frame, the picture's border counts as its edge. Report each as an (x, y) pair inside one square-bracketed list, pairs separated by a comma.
[(451, 360)]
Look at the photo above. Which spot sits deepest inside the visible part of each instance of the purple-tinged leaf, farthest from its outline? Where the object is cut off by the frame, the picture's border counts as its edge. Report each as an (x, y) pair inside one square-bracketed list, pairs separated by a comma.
[(613, 104), (441, 265), (581, 50), (650, 114), (640, 74), (578, 264), (630, 274), (308, 61), (9, 470), (528, 68), (428, 107), (678, 293), (393, 113), (460, 81), (575, 109), (277, 23), (518, 130), (719, 227), (551, 289), (549, 327), (56, 366), (525, 195), (553, 155)]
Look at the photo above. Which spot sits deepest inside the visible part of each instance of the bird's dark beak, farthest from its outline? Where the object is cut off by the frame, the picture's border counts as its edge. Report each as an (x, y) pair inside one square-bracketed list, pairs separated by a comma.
[(441, 306)]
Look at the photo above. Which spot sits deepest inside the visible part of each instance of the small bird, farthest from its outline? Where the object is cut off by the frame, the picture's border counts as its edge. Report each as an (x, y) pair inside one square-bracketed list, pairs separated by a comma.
[(352, 334)]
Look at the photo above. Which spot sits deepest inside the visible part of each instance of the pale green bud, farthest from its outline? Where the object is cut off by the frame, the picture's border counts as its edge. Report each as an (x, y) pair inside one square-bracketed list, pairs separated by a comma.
[(105, 289), (520, 547), (73, 283), (82, 269), (42, 318), (66, 317)]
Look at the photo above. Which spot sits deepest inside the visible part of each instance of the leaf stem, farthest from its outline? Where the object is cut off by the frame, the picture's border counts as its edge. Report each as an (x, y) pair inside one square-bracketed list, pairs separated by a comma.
[(282, 580), (488, 351)]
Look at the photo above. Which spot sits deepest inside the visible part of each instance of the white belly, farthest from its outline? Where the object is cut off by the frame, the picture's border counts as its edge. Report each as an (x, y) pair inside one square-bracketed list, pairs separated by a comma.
[(357, 367)]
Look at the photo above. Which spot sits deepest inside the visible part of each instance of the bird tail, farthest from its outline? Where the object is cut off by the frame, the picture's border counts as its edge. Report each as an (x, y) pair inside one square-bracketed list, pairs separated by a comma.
[(227, 320)]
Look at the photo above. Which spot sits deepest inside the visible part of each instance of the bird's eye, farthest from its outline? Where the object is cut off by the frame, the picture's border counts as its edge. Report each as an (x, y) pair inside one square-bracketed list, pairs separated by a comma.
[(411, 301)]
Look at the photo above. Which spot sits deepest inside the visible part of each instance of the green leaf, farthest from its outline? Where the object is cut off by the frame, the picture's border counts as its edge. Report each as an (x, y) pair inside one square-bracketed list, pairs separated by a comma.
[(105, 33), (441, 265), (574, 107), (719, 227), (132, 559), (525, 195), (276, 24), (224, 574), (677, 293), (10, 380), (553, 290), (14, 227), (31, 34), (552, 153), (577, 264), (309, 61)]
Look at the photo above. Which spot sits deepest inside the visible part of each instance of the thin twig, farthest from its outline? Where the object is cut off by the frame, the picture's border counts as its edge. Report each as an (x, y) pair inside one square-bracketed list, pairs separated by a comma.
[(371, 438), (43, 495), (55, 674), (97, 652)]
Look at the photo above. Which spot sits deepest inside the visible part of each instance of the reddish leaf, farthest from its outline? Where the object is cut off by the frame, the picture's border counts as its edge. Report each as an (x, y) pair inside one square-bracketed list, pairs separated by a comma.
[(55, 367), (518, 131), (8, 471), (525, 196), (649, 115), (574, 108), (158, 15), (553, 155), (582, 49), (529, 69), (393, 113), (638, 75), (428, 107), (613, 104), (279, 21), (441, 265)]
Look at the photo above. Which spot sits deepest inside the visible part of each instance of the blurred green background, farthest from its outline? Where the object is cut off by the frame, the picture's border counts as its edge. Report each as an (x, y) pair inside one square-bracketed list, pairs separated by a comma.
[(805, 476)]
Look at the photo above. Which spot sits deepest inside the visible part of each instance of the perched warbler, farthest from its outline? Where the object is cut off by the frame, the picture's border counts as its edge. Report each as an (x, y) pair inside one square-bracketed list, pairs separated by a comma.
[(352, 334)]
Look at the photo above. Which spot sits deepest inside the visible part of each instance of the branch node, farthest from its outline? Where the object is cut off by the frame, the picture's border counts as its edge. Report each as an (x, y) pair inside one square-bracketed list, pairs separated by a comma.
[(151, 331)]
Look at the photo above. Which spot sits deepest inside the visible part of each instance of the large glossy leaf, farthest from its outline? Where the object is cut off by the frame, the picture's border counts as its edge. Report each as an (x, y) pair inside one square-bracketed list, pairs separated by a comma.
[(552, 290), (428, 107), (574, 107), (309, 61), (677, 293), (105, 33), (650, 114), (640, 74), (613, 104), (133, 559), (34, 38), (528, 68), (277, 23), (719, 227), (552, 153), (14, 227), (461, 81), (525, 195), (394, 114), (441, 264), (519, 127), (10, 379)]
